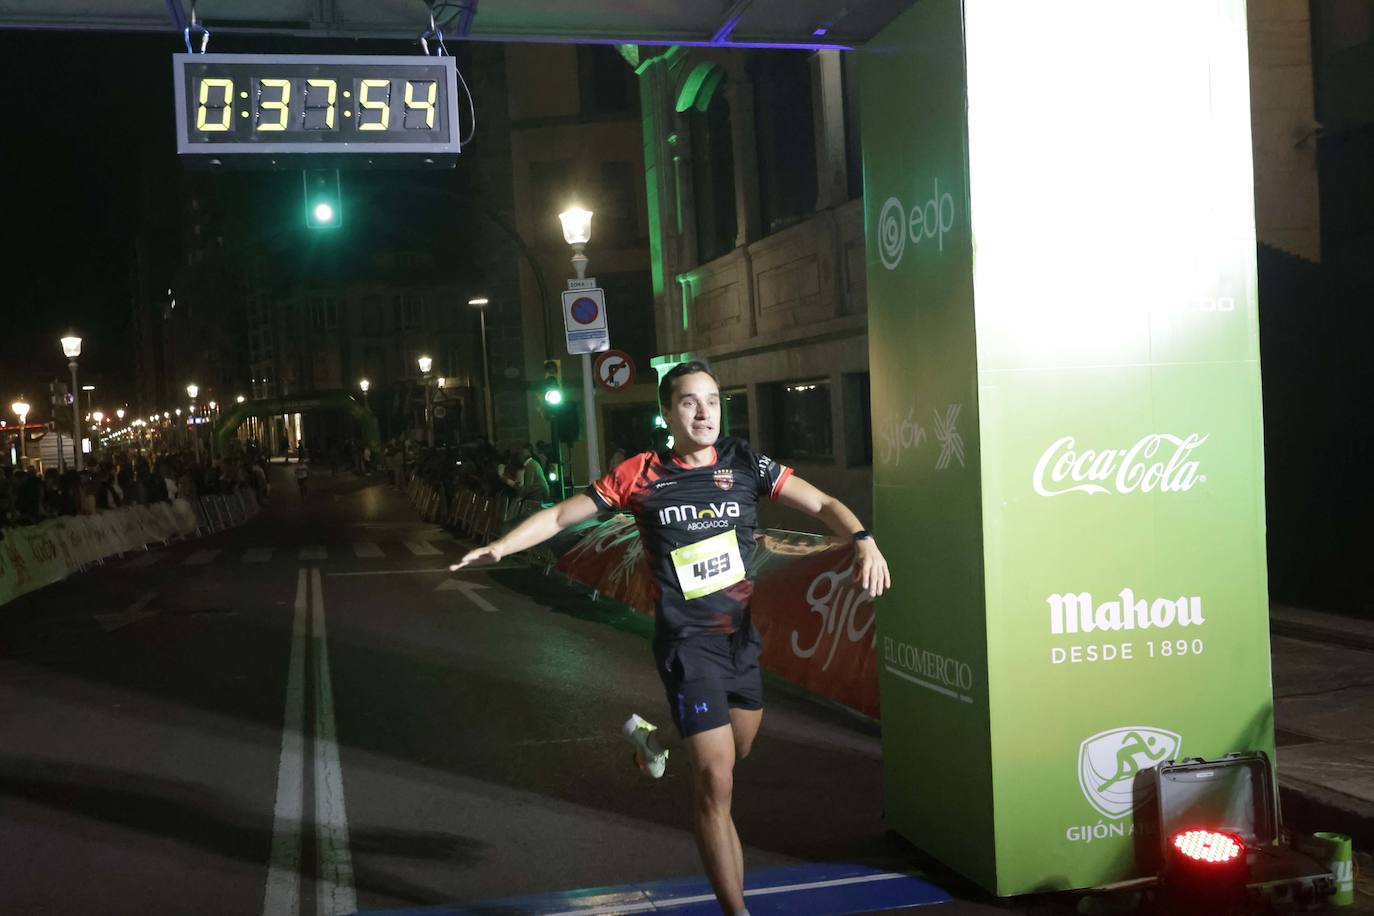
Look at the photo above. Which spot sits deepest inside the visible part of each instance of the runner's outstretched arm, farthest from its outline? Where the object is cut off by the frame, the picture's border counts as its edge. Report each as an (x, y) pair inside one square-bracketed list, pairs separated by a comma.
[(534, 530), (870, 568)]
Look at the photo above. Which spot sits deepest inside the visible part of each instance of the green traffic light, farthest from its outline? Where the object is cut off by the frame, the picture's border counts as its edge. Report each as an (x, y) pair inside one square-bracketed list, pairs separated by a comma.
[(553, 397), (323, 205)]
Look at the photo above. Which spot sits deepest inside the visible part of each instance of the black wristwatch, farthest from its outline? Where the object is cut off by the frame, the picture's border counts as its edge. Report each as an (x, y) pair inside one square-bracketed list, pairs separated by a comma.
[(862, 535)]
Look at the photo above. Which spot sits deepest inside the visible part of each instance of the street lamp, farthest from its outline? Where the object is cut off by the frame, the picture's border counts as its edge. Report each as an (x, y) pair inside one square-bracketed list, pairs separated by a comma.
[(425, 365), (21, 410), (577, 232), (71, 348), (481, 304), (120, 413)]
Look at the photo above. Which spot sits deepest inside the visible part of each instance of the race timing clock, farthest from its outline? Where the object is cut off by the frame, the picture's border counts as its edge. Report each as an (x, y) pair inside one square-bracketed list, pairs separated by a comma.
[(280, 110)]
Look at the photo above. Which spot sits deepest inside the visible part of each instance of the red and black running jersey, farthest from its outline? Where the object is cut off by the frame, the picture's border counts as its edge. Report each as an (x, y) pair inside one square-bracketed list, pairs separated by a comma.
[(697, 529)]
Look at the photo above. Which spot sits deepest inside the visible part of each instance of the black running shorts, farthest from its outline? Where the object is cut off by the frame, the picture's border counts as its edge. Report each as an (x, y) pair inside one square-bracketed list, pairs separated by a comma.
[(706, 676)]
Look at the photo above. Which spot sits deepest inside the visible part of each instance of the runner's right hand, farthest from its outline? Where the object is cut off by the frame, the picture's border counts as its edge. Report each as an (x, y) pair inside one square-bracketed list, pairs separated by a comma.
[(481, 556)]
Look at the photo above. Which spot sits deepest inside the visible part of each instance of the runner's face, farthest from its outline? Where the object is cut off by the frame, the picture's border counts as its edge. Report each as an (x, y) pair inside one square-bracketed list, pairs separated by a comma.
[(694, 418)]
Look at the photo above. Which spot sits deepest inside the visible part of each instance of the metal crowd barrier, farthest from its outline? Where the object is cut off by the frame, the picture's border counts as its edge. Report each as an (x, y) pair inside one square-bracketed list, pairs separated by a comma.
[(471, 514)]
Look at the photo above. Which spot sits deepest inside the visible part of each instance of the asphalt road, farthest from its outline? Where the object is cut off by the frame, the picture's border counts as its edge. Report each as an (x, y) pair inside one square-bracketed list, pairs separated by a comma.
[(309, 714)]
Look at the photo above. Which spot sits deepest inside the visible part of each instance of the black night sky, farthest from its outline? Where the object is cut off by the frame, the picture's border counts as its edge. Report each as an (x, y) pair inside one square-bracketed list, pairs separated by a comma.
[(88, 150), (85, 114)]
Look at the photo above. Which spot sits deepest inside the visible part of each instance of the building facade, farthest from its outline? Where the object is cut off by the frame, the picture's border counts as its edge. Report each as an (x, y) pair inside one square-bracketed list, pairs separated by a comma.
[(753, 168)]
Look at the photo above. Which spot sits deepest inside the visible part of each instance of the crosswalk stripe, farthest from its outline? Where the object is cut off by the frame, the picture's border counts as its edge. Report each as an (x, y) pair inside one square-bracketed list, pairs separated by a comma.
[(367, 550), (257, 555), (147, 559), (316, 552), (421, 548), (200, 558)]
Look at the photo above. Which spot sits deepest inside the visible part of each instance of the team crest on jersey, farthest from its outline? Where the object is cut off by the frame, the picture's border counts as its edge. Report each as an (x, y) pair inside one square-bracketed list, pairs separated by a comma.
[(725, 479)]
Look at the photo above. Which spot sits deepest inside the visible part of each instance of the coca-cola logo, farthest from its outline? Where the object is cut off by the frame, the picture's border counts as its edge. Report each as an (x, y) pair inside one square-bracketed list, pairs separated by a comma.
[(1158, 462)]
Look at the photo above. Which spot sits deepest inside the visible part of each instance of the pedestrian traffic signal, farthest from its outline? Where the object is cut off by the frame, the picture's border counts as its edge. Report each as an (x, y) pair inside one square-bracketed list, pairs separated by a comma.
[(553, 383), (323, 206)]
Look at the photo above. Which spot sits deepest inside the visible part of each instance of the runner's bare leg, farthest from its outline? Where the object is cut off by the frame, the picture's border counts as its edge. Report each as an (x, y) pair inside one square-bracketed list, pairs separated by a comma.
[(713, 768), (744, 724)]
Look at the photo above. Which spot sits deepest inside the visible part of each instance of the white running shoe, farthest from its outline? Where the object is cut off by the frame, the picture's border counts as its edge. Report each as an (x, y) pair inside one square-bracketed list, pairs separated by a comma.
[(649, 756)]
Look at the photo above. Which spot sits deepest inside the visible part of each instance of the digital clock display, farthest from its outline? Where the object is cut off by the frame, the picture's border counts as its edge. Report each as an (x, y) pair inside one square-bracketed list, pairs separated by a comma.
[(289, 107)]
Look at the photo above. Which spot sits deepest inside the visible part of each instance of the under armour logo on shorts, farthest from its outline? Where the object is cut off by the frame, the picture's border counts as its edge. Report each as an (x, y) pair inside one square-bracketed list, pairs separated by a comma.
[(700, 707)]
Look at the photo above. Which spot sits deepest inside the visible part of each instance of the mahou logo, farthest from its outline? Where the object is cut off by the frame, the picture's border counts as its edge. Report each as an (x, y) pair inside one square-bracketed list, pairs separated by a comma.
[(1109, 761), (1157, 462)]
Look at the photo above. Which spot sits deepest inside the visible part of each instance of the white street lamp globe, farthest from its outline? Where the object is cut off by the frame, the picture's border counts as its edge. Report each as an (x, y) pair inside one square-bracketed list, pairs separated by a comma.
[(21, 409), (425, 364), (364, 385), (120, 413), (441, 381), (98, 416), (192, 390), (577, 226), (239, 399), (71, 347), (478, 302)]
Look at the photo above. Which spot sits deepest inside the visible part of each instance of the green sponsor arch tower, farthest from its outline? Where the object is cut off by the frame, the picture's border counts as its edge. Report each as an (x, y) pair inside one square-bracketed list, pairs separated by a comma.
[(1065, 363)]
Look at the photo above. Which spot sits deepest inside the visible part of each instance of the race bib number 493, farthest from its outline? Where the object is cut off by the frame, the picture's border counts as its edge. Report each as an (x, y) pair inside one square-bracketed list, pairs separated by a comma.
[(708, 566)]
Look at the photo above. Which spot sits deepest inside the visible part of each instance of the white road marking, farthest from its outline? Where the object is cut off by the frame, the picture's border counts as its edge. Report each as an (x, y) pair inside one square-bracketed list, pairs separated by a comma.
[(316, 552), (417, 572), (257, 555), (469, 589), (334, 895), (200, 558), (135, 613), (422, 548), (283, 896), (365, 550)]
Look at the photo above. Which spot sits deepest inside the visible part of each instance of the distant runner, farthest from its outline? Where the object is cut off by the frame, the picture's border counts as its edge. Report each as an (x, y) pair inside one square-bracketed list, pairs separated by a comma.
[(302, 475), (696, 508)]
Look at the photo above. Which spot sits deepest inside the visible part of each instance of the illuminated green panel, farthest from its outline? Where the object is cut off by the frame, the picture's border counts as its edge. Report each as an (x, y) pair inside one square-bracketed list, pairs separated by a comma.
[(1068, 448)]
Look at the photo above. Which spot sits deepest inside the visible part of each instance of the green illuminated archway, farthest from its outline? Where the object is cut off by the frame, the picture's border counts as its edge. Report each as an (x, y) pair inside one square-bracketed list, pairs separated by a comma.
[(343, 401)]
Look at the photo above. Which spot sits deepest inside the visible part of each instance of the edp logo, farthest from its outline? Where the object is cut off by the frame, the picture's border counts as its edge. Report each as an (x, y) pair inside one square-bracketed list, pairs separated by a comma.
[(929, 220)]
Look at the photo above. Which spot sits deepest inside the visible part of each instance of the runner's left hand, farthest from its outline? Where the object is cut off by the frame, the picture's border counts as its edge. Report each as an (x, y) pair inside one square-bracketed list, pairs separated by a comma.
[(870, 569)]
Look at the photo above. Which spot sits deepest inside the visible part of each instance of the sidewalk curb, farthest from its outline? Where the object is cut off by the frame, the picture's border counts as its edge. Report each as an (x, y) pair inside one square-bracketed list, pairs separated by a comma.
[(1318, 633), (1308, 808)]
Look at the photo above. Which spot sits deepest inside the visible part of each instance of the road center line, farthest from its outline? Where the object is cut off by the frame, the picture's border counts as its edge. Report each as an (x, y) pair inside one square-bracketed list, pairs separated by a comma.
[(335, 895), (283, 895)]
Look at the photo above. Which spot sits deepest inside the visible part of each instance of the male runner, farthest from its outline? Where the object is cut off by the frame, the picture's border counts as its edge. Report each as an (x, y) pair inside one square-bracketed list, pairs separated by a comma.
[(695, 506)]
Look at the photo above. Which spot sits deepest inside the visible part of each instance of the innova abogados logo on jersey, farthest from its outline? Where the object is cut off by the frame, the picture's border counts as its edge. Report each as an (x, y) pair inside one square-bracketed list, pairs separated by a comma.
[(1109, 761), (929, 219), (1158, 461)]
